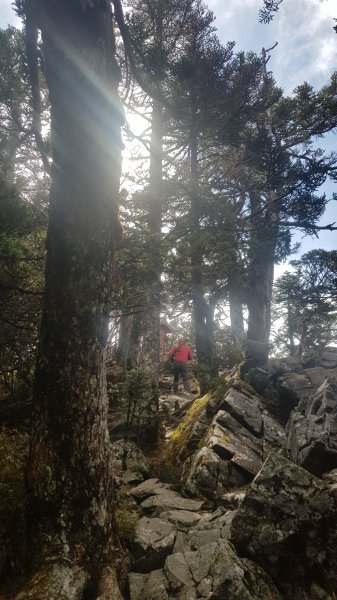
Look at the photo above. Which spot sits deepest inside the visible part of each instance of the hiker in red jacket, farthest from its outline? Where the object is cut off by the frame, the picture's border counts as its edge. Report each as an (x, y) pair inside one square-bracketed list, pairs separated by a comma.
[(181, 354)]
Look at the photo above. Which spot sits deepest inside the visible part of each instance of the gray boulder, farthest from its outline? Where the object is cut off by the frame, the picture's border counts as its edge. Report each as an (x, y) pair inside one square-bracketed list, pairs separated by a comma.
[(328, 360), (237, 442), (210, 475), (312, 431), (292, 388), (169, 500), (233, 441), (214, 571), (211, 528), (150, 487), (129, 461), (183, 520), (245, 408), (331, 479), (154, 541), (317, 376), (156, 497), (287, 522)]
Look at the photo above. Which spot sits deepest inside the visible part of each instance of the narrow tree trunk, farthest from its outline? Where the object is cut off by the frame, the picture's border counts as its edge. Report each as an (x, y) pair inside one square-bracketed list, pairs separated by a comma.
[(265, 224), (290, 327), (124, 337), (303, 337), (134, 353), (150, 356), (203, 325), (235, 305), (262, 257), (12, 146), (70, 479)]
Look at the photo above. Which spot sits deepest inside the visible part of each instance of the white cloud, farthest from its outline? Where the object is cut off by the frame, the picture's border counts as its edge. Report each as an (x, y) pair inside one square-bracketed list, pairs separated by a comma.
[(7, 14), (307, 43)]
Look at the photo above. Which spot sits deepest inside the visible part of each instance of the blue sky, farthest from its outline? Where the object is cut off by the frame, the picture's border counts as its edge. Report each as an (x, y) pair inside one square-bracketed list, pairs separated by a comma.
[(306, 51)]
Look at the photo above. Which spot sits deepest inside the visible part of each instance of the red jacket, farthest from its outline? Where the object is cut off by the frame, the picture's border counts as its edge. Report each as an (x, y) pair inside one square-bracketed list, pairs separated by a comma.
[(182, 353)]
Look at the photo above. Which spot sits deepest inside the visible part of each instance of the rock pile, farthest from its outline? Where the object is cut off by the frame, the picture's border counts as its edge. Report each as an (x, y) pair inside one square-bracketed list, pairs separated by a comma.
[(258, 519)]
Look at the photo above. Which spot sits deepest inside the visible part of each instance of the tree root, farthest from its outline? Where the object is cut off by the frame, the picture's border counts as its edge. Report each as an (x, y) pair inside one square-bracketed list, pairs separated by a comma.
[(108, 588), (65, 582), (56, 582)]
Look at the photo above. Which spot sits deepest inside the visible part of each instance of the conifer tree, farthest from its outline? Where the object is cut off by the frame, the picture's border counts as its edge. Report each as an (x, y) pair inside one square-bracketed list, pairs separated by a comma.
[(70, 479)]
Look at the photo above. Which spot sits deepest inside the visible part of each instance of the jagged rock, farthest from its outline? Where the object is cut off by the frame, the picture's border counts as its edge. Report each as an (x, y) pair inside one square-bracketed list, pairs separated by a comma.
[(176, 404), (287, 523), (149, 587), (260, 380), (197, 431), (289, 382), (331, 479), (312, 431), (165, 383), (170, 500), (210, 528), (136, 464), (207, 474), (329, 358), (237, 442), (154, 541), (318, 375), (150, 487), (273, 434), (291, 387), (232, 500), (182, 519), (234, 442), (244, 408), (156, 497), (214, 571)]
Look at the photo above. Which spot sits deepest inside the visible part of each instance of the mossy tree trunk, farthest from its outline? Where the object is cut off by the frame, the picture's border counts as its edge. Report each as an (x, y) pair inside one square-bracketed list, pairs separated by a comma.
[(70, 480)]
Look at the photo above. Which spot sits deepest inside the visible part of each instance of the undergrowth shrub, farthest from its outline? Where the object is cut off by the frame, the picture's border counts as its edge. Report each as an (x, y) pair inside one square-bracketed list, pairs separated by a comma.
[(126, 519), (181, 434), (13, 458)]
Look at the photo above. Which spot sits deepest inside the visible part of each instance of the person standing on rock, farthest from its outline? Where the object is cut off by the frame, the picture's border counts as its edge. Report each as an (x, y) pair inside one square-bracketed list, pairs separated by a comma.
[(181, 354)]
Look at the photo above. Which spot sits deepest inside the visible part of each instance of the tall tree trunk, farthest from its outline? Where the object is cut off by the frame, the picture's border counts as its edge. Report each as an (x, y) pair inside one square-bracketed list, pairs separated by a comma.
[(235, 304), (12, 146), (203, 324), (133, 361), (290, 327), (125, 327), (261, 273), (70, 478), (150, 356), (265, 224)]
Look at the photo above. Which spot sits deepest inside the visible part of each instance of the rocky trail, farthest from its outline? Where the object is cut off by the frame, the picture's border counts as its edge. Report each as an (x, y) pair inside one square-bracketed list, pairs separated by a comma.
[(254, 515)]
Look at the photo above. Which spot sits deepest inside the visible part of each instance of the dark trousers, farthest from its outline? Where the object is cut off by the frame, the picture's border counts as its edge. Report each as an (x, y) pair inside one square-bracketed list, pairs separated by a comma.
[(180, 368)]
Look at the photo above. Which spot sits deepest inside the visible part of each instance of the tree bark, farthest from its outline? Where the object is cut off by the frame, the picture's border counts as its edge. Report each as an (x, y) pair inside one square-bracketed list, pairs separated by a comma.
[(70, 479), (124, 336), (261, 274), (290, 329), (203, 323), (235, 304), (150, 356)]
